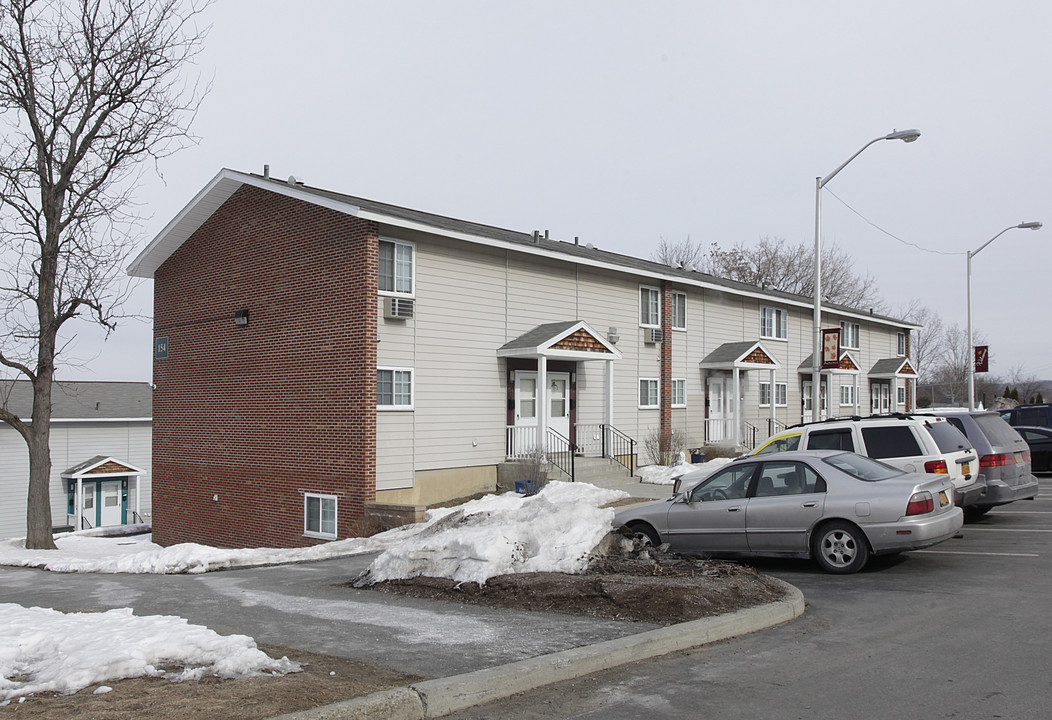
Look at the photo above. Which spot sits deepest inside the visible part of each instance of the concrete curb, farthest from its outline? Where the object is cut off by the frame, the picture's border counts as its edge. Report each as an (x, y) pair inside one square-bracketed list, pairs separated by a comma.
[(442, 696)]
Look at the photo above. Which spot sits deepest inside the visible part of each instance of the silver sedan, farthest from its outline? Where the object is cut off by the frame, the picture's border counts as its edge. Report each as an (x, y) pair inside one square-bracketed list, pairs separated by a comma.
[(836, 507)]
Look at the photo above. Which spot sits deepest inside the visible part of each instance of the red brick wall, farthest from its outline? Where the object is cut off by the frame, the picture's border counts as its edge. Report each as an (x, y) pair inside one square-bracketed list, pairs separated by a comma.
[(257, 415)]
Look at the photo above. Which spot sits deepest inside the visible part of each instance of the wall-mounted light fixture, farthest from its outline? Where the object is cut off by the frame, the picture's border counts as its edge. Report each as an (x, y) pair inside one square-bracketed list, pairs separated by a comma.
[(612, 336), (241, 317)]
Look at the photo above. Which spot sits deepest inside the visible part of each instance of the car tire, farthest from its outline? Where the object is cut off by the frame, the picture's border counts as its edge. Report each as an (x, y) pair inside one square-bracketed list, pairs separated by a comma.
[(647, 531), (839, 547)]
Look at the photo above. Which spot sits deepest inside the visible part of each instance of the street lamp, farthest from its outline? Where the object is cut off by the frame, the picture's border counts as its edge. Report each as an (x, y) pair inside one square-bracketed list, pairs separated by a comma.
[(816, 357), (971, 348)]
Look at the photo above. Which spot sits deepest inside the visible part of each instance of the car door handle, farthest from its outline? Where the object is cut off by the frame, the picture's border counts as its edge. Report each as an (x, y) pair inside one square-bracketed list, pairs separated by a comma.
[(736, 508), (810, 504)]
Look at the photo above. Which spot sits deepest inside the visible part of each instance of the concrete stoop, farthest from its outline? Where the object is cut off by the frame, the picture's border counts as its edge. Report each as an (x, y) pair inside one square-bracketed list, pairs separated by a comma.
[(443, 696)]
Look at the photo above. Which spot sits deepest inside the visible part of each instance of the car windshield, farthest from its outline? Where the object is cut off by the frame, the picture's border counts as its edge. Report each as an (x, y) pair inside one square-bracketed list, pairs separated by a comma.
[(947, 437), (862, 468), (780, 444)]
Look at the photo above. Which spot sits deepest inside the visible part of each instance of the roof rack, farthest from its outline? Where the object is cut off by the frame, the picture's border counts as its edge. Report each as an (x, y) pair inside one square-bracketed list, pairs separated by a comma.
[(858, 418)]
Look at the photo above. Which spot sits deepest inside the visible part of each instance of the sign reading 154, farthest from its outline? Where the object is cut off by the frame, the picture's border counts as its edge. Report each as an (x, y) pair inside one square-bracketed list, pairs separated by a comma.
[(160, 348)]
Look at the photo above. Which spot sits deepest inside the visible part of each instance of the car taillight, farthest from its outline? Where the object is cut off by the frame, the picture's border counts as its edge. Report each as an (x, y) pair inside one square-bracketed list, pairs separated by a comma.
[(920, 503), (997, 460), (936, 466), (1026, 456)]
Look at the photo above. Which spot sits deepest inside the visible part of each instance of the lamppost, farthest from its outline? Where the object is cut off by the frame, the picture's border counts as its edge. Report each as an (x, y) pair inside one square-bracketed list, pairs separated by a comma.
[(816, 357), (971, 348)]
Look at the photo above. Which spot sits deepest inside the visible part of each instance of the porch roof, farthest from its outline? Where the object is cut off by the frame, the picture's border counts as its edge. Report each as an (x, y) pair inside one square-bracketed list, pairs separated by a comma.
[(848, 366), (101, 466), (567, 340), (747, 355), (898, 367)]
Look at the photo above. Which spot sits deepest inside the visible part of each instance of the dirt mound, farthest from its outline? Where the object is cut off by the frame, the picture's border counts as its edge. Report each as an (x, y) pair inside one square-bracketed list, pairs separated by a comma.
[(627, 579)]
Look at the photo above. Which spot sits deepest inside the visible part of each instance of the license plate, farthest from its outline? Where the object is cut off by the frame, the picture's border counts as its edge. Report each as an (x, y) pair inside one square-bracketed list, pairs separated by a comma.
[(943, 499), (966, 468)]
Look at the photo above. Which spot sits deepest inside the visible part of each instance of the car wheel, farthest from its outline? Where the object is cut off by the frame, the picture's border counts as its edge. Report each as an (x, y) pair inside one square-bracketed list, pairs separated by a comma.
[(839, 547), (647, 531)]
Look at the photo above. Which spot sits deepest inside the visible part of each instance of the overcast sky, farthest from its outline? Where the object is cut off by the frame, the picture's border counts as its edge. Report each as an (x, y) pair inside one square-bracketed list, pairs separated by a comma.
[(626, 122)]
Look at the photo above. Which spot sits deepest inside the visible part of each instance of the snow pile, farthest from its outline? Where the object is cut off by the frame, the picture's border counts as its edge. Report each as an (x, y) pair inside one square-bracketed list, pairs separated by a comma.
[(83, 553), (553, 531), (47, 651), (667, 474)]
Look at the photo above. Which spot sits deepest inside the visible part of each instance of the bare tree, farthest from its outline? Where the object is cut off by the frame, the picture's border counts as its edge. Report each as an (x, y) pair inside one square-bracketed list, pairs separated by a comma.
[(926, 344), (88, 90), (682, 253), (1027, 385), (774, 263)]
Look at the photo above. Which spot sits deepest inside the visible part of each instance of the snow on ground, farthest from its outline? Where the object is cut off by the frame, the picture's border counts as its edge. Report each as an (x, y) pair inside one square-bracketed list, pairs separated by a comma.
[(45, 650), (667, 474), (565, 511)]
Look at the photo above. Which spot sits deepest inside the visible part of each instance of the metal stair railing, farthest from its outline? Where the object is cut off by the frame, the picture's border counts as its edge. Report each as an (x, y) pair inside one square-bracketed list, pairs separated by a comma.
[(618, 445), (560, 452)]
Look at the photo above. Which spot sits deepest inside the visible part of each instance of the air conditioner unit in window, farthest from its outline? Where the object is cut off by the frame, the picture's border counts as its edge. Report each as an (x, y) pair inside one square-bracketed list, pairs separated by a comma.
[(654, 335), (398, 308)]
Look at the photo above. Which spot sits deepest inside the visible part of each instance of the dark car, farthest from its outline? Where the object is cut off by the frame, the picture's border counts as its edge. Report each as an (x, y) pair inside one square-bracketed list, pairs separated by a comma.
[(1033, 415), (1040, 441), (1004, 459)]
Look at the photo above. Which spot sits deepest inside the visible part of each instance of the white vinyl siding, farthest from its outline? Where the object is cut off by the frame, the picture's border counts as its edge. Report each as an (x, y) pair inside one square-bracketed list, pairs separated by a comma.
[(72, 443)]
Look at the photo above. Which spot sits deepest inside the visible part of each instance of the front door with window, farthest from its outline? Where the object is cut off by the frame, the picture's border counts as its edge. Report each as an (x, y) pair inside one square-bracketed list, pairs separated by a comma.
[(880, 398), (716, 424), (808, 384), (526, 405), (111, 505)]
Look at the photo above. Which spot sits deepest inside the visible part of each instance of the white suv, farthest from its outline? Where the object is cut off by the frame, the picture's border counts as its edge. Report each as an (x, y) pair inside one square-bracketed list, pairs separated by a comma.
[(913, 444)]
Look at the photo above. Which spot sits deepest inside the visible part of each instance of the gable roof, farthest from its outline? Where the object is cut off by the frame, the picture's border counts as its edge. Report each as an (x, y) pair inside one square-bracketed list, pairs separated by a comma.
[(570, 339), (102, 466), (85, 401), (749, 354), (892, 368), (227, 182)]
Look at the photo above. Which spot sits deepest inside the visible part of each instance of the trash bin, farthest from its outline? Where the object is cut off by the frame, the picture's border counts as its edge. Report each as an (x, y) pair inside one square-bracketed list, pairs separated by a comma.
[(696, 456)]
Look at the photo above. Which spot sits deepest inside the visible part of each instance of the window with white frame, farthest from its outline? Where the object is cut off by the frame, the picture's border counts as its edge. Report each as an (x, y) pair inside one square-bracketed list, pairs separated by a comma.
[(780, 394), (849, 332), (679, 392), (847, 395), (901, 344), (394, 388), (774, 323), (649, 306), (319, 515), (679, 311), (648, 393), (396, 268), (901, 395)]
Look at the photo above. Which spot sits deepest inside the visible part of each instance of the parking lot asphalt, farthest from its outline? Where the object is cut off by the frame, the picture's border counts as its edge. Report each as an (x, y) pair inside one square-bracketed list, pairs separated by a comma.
[(959, 630)]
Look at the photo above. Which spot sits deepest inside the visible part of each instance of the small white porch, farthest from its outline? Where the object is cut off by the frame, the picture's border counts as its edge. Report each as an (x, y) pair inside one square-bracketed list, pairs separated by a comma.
[(848, 367), (724, 423), (884, 385), (98, 490), (542, 418)]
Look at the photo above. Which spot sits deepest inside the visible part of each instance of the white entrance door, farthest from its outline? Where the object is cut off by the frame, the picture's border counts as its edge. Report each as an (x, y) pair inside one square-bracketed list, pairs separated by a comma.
[(880, 397), (526, 407), (110, 503), (718, 411), (88, 514), (808, 384)]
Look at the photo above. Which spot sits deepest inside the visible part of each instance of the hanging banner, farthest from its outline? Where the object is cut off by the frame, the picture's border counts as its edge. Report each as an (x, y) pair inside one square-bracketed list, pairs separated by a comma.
[(831, 349), (982, 358)]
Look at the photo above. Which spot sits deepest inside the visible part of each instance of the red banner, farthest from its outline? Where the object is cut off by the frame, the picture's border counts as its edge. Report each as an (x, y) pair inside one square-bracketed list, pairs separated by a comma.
[(982, 358)]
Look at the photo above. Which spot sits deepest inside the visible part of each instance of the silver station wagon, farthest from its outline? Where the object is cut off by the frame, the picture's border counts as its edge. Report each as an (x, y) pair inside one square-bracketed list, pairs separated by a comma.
[(833, 506)]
